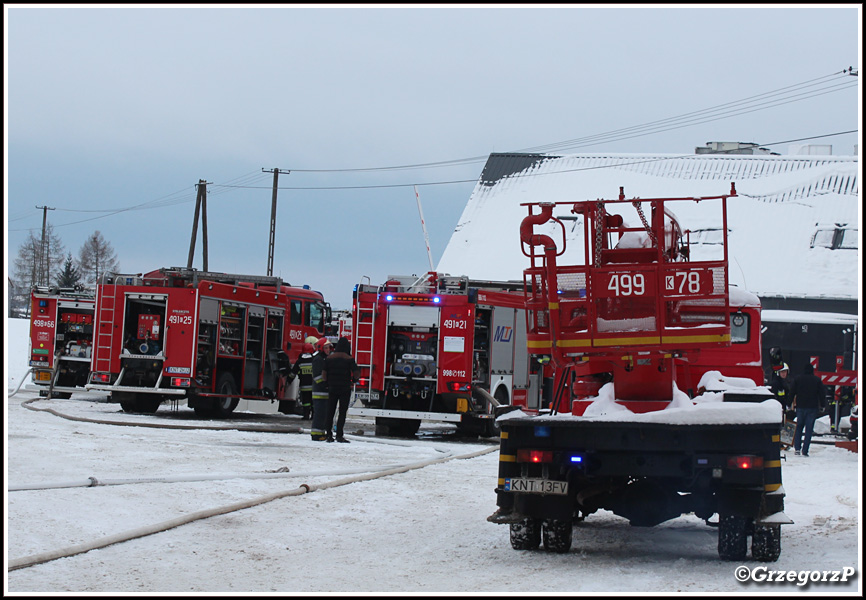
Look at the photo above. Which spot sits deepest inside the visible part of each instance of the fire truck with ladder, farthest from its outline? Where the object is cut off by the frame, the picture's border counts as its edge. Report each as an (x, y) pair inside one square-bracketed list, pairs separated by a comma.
[(208, 338), (641, 320), (441, 348), (61, 337)]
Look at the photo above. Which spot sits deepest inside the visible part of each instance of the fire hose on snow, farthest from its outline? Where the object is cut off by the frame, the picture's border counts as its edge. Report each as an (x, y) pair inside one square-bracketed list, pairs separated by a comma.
[(29, 561), (304, 488), (20, 383)]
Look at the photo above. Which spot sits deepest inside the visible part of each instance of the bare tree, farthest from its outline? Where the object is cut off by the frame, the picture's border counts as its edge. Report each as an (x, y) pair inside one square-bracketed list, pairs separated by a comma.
[(38, 264), (96, 257)]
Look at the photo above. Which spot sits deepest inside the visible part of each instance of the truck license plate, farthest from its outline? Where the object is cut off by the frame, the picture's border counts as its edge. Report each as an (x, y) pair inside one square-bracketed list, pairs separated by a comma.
[(536, 486)]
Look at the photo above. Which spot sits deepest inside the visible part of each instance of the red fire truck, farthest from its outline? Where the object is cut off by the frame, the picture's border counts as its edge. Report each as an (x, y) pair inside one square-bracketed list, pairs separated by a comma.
[(209, 338), (441, 348), (61, 334), (645, 315)]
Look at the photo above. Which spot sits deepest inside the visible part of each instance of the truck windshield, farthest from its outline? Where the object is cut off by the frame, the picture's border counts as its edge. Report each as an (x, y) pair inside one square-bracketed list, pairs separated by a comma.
[(320, 313)]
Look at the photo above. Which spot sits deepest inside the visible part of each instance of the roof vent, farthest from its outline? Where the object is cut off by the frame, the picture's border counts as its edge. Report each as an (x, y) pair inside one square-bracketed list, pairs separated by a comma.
[(733, 148)]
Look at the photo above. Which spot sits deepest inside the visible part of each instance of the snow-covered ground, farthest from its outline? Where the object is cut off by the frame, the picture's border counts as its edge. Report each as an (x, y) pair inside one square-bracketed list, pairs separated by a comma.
[(420, 531)]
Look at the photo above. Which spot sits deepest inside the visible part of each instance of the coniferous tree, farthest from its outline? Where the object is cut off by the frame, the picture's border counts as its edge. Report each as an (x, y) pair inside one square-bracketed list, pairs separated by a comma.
[(69, 277), (96, 257)]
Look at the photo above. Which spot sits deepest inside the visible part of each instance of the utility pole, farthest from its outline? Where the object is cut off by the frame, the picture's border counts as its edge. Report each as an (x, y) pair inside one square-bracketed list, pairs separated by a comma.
[(43, 260), (200, 207), (273, 232)]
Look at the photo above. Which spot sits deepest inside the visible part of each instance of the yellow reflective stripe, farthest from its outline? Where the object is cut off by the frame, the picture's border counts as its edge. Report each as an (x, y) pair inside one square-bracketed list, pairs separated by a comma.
[(627, 341), (772, 487), (537, 344), (574, 343), (631, 341), (507, 458), (775, 438), (500, 482), (769, 464), (503, 435), (553, 305)]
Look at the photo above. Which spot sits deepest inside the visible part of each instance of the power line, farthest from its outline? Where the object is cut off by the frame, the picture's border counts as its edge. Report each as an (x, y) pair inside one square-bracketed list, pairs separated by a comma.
[(655, 126), (747, 105), (475, 180)]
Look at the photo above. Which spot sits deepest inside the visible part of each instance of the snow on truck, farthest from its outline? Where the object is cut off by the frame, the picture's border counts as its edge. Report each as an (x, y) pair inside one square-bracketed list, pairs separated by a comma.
[(440, 348), (642, 319), (61, 335), (209, 338)]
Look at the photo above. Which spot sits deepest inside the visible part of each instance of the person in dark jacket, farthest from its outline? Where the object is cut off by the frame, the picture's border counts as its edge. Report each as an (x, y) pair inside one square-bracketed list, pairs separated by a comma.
[(303, 369), (809, 396), (318, 431), (340, 372), (780, 385)]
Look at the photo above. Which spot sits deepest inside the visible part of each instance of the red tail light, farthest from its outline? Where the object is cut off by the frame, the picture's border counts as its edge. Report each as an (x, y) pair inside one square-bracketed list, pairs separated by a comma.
[(456, 386), (179, 382), (745, 462), (535, 456), (101, 378)]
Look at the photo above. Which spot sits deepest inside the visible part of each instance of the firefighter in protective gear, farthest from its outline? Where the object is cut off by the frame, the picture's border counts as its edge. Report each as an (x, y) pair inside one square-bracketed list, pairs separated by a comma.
[(320, 392), (284, 371), (841, 400), (304, 370), (780, 387)]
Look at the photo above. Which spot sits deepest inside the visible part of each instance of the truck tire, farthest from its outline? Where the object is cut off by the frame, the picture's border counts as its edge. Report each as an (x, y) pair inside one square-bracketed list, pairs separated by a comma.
[(490, 429), (557, 535), (223, 407), (397, 427), (137, 403), (149, 404), (732, 537), (767, 543), (525, 535), (126, 400)]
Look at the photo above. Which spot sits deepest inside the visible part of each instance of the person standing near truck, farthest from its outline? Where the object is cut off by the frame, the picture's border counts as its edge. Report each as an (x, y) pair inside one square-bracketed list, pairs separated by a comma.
[(780, 385), (320, 391), (303, 369), (340, 372), (809, 397)]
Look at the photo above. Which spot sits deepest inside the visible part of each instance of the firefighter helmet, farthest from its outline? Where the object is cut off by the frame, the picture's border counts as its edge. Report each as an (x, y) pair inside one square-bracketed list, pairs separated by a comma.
[(311, 339), (308, 348), (322, 342)]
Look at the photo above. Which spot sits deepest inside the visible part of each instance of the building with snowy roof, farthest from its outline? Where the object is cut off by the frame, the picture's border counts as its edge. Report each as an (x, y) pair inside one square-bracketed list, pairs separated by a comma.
[(792, 228)]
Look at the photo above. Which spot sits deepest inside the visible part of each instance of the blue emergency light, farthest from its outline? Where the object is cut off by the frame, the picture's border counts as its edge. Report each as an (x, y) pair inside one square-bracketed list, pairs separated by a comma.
[(541, 431)]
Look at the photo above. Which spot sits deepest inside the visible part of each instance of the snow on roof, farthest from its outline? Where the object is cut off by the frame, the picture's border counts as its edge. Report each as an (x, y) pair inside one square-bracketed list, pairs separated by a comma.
[(782, 202), (799, 316), (706, 409)]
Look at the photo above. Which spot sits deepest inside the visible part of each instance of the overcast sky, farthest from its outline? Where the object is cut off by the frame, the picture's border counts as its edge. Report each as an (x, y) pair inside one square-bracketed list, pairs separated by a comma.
[(113, 114)]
